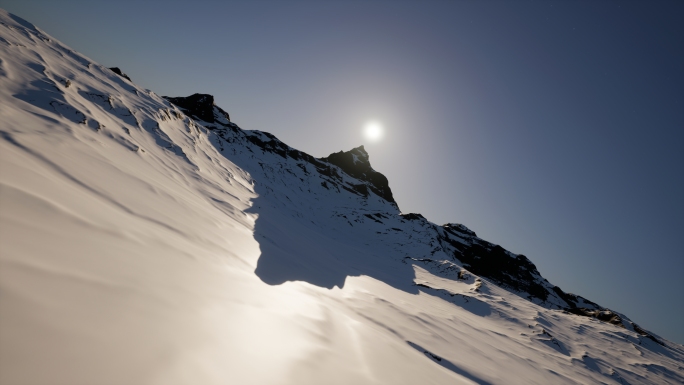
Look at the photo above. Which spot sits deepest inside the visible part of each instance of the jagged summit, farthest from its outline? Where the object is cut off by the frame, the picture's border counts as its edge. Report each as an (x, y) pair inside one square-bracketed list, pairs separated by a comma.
[(356, 163), (201, 107)]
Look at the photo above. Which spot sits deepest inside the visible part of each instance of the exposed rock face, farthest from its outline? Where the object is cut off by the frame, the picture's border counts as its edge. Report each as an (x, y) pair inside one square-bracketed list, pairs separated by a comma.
[(117, 71), (331, 173), (506, 269), (613, 318), (413, 217), (201, 107), (602, 315), (356, 163)]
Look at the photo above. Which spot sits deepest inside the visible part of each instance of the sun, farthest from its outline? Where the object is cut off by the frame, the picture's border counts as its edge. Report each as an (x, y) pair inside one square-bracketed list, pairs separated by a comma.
[(373, 131)]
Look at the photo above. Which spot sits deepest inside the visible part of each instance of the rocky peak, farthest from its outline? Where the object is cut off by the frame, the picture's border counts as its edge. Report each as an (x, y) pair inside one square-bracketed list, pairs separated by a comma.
[(117, 71), (356, 163), (201, 107)]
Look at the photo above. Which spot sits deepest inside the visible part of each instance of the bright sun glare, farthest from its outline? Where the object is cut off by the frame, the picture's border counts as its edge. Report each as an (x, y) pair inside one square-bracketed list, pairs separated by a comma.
[(373, 131)]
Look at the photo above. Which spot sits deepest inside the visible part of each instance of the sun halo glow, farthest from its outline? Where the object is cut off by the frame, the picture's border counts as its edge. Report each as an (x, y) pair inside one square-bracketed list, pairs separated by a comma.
[(373, 131)]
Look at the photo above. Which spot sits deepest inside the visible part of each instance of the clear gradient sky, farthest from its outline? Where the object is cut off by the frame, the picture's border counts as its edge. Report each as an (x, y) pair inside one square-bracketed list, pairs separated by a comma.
[(552, 128)]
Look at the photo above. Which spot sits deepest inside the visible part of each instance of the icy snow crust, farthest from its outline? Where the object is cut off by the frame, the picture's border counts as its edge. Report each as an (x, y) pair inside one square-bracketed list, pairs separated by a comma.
[(140, 246)]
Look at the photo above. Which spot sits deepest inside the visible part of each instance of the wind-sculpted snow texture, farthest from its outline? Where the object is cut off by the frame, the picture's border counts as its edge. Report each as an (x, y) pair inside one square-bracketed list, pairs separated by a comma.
[(148, 242)]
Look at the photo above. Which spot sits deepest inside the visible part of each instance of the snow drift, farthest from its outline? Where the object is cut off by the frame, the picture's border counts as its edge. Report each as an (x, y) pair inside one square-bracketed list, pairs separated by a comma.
[(147, 240)]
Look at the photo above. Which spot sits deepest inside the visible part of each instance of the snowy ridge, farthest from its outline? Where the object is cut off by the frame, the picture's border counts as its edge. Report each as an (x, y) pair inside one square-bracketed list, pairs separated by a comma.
[(144, 242), (347, 173)]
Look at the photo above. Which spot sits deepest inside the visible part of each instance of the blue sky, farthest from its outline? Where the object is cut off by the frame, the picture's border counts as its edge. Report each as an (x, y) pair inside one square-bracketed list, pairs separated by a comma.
[(552, 128)]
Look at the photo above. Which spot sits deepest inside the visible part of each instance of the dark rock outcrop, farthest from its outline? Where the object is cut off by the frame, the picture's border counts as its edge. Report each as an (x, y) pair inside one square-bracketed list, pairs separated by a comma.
[(609, 316), (602, 315), (356, 163), (117, 71), (200, 106), (646, 334), (413, 217), (514, 271)]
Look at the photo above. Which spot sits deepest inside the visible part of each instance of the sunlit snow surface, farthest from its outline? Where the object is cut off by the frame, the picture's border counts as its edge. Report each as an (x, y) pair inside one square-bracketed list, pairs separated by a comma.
[(138, 247)]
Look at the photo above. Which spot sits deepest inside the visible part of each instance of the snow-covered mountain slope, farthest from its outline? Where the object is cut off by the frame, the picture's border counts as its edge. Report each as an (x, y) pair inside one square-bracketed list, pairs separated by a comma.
[(146, 242)]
